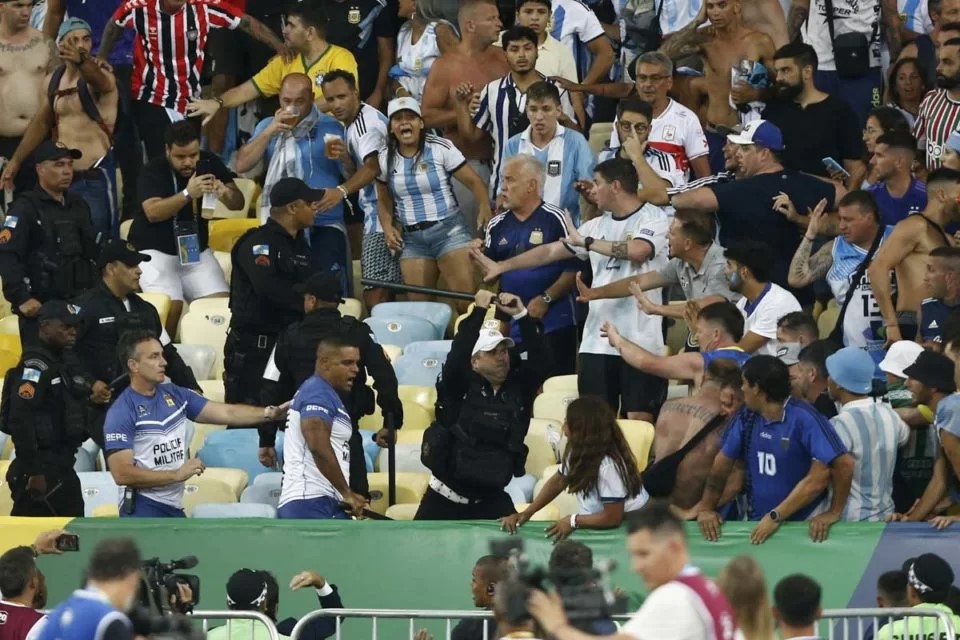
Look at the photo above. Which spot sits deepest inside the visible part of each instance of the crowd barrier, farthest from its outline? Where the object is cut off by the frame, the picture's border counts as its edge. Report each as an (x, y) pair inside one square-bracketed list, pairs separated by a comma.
[(231, 617)]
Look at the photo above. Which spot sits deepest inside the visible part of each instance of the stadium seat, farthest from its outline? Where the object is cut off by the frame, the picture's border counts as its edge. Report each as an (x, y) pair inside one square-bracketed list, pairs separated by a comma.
[(639, 435), (392, 352), (225, 233), (419, 368), (212, 389), (161, 302), (351, 307), (423, 395), (85, 461), (125, 229), (825, 323), (226, 263), (414, 417), (541, 453), (236, 454), (438, 313), (261, 494), (235, 477), (6, 500), (6, 446), (489, 322), (561, 384), (599, 136), (407, 457), (98, 489), (271, 479), (549, 513), (211, 305), (400, 330), (553, 405), (201, 432), (402, 511), (677, 334), (250, 190), (11, 342), (199, 327), (522, 487), (8, 360), (107, 511), (370, 448), (239, 510), (199, 357), (201, 490), (10, 325), (429, 346), (566, 503), (410, 489)]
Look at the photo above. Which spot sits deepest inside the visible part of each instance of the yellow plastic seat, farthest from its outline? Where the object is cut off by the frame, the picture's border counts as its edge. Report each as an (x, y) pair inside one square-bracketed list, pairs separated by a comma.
[(250, 190), (6, 500), (10, 326), (426, 397), (106, 511), (553, 405), (351, 307), (392, 352), (410, 489), (8, 361), (403, 511), (125, 229), (639, 436), (541, 453), (212, 389), (489, 321), (211, 305), (199, 327), (201, 489), (6, 450), (599, 136), (562, 384), (414, 417), (225, 233), (566, 503), (549, 513), (11, 343), (236, 479), (161, 302), (200, 433), (825, 323)]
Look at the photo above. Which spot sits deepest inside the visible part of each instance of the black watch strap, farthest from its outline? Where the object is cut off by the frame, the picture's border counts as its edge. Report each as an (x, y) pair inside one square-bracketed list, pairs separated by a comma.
[(587, 242)]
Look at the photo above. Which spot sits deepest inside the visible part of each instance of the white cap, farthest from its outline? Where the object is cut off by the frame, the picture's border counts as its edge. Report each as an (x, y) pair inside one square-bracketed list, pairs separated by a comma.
[(901, 355), (489, 340), (402, 104)]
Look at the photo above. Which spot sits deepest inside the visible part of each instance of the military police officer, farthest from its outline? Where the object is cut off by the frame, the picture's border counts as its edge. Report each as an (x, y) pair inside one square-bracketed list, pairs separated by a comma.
[(110, 309), (294, 360), (48, 246), (267, 263), (43, 406)]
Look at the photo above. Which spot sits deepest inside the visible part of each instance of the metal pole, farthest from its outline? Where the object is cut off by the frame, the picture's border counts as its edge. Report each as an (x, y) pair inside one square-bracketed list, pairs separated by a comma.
[(391, 459), (409, 288)]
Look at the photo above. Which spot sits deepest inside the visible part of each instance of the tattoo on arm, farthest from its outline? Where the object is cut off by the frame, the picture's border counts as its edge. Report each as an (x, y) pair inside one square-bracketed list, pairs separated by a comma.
[(686, 42), (715, 483), (619, 250), (805, 268), (795, 20)]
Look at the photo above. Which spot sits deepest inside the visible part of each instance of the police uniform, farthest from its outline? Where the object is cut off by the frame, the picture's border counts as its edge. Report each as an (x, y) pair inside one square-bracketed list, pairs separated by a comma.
[(294, 359), (48, 248), (107, 317), (87, 615), (475, 446), (43, 409), (267, 263)]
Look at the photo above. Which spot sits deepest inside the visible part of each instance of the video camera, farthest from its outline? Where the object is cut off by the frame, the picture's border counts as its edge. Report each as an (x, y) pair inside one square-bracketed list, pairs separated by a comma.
[(587, 594), (160, 584)]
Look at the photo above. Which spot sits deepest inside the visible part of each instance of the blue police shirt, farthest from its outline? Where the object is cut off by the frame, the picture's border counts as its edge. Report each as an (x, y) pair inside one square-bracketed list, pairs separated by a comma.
[(934, 314), (508, 236), (893, 210), (86, 615), (779, 454)]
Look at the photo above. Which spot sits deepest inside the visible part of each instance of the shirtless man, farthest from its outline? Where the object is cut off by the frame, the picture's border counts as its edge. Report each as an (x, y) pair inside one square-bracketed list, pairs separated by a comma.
[(906, 252), (95, 172), (766, 16), (26, 57), (475, 62), (689, 433), (725, 44)]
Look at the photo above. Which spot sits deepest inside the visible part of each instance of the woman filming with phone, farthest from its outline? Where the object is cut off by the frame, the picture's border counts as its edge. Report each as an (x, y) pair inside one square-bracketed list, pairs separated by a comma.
[(598, 467)]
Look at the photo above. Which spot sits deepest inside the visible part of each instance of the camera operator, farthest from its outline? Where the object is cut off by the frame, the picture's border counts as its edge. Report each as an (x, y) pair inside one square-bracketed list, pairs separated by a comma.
[(682, 604), (98, 612), (23, 588), (152, 462), (569, 562), (484, 401)]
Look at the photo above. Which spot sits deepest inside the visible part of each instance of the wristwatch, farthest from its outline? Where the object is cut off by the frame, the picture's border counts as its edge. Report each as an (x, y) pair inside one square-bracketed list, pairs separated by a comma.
[(546, 297), (587, 242), (774, 515)]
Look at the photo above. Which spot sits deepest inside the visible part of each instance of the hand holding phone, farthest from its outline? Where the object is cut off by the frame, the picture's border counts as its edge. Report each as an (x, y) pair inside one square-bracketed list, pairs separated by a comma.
[(68, 542), (834, 167)]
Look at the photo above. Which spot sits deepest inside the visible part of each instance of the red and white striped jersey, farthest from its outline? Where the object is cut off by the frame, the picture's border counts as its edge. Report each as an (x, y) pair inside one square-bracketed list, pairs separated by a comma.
[(169, 50), (938, 117)]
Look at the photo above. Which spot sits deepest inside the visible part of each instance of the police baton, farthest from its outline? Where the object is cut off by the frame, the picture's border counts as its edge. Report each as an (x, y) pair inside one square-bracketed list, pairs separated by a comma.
[(391, 459), (409, 288)]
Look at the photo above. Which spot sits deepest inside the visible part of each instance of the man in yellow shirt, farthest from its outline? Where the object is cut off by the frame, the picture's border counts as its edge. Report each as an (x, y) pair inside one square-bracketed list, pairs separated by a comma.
[(929, 581), (304, 32)]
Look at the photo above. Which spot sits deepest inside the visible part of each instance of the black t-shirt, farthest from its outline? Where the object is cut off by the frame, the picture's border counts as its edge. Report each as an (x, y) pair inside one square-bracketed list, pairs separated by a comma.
[(746, 212), (355, 25), (825, 128), (159, 180)]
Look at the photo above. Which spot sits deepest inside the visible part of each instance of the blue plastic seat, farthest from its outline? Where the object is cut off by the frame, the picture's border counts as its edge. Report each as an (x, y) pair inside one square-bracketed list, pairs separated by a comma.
[(402, 330), (98, 489), (233, 436), (429, 346), (437, 313), (237, 454), (236, 510), (419, 368), (264, 494)]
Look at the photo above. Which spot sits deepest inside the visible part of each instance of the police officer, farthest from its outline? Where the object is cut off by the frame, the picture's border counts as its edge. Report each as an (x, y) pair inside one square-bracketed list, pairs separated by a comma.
[(43, 409), (48, 246), (110, 309), (484, 401), (294, 360), (267, 263)]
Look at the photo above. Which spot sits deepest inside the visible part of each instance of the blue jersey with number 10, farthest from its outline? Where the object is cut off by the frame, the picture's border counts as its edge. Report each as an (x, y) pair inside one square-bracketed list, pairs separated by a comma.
[(778, 454)]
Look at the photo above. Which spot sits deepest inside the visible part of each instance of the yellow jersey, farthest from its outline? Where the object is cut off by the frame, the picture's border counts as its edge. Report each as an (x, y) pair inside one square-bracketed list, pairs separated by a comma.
[(267, 81)]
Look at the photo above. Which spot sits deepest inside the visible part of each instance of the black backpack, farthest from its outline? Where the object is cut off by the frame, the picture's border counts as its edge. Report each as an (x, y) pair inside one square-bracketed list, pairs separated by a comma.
[(86, 101)]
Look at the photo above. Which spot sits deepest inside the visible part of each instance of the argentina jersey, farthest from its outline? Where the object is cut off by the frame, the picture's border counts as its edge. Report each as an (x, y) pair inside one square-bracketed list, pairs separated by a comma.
[(663, 164), (366, 136), (421, 187), (302, 479), (155, 428)]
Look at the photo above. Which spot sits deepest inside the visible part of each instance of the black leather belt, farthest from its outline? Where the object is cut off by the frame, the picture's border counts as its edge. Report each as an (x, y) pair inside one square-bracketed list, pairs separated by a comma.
[(421, 226)]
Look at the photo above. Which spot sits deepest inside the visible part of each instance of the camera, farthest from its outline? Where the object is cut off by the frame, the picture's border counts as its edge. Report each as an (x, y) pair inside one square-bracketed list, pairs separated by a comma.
[(587, 596), (160, 582), (168, 627)]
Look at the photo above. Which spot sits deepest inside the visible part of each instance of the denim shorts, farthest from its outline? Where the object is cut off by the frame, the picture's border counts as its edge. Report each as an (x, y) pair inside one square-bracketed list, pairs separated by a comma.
[(447, 235), (322, 508)]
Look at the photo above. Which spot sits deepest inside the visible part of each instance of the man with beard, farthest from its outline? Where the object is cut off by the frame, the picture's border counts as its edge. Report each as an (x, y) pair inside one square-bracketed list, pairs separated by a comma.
[(906, 251), (24, 587), (940, 110), (815, 125), (898, 193)]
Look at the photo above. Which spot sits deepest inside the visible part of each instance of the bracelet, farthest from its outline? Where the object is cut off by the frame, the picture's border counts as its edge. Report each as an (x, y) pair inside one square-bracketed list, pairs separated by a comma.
[(343, 190), (573, 521), (219, 101), (522, 314), (186, 194)]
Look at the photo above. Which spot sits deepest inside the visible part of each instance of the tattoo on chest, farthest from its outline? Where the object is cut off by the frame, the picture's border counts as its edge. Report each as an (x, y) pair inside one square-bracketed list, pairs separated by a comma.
[(693, 410), (19, 48)]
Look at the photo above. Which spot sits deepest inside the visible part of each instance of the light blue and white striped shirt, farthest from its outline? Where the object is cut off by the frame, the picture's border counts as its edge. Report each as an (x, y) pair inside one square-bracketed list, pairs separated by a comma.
[(872, 432), (574, 24), (420, 185), (366, 136), (567, 158)]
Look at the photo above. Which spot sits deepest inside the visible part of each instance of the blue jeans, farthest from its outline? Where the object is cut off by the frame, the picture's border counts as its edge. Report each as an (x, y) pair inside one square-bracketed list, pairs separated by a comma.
[(100, 194), (147, 508), (324, 508), (863, 94)]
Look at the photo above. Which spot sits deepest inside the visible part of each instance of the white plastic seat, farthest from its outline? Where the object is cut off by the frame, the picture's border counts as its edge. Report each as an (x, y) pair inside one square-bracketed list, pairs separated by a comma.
[(351, 307), (438, 313), (403, 511), (419, 368), (542, 440), (261, 494), (270, 479), (429, 346), (209, 328), (407, 456), (212, 389), (561, 384), (98, 488), (566, 503), (238, 510), (401, 330), (553, 405), (199, 357)]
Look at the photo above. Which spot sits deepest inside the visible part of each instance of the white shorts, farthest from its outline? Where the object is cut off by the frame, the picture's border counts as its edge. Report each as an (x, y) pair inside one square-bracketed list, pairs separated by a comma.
[(165, 274)]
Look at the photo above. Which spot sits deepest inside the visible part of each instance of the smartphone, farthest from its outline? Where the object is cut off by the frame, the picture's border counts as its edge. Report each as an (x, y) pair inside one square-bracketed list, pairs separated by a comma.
[(835, 167), (68, 542)]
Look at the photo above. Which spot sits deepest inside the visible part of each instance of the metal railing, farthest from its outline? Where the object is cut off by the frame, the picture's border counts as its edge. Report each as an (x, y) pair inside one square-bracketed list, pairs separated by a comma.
[(852, 624), (231, 616), (450, 617)]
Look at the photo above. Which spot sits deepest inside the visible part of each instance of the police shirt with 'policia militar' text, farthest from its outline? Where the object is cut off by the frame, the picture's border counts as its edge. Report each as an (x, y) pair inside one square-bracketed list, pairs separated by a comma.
[(155, 428)]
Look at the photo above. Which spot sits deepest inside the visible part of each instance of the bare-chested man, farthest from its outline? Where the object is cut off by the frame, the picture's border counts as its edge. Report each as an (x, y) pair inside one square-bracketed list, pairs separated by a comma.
[(725, 44), (66, 118), (475, 62), (769, 17), (26, 57), (906, 252), (689, 433)]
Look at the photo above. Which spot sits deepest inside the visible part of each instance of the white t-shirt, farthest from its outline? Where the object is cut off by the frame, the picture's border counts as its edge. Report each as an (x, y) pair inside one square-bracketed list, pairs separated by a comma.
[(851, 16), (762, 316), (676, 131), (670, 612), (610, 488), (647, 223)]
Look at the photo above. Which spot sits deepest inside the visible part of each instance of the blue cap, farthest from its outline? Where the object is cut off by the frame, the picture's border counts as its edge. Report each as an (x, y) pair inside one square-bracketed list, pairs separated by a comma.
[(760, 132), (852, 368), (72, 24)]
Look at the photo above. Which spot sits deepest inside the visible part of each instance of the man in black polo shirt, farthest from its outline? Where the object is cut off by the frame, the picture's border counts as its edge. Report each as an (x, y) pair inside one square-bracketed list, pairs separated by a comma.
[(815, 125), (365, 28), (746, 207), (169, 227)]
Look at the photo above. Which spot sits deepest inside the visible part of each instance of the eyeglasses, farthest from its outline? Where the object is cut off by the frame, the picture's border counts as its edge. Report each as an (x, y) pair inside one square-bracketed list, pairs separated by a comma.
[(870, 131), (639, 128), (653, 79)]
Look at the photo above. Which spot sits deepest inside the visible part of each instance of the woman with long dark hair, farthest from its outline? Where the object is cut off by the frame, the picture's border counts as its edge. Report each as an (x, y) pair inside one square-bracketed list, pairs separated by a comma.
[(907, 82), (598, 467)]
